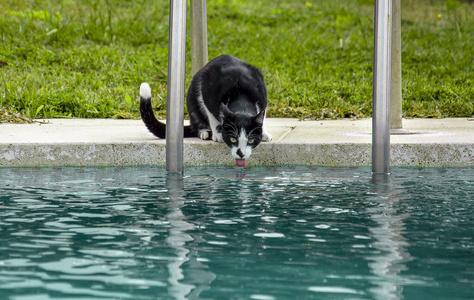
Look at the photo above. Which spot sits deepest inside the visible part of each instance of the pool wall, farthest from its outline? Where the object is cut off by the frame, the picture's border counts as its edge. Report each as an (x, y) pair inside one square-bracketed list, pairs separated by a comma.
[(16, 155), (76, 142)]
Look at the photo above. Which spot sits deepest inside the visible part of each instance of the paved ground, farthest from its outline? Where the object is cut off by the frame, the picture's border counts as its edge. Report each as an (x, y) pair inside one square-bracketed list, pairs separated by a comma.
[(78, 142)]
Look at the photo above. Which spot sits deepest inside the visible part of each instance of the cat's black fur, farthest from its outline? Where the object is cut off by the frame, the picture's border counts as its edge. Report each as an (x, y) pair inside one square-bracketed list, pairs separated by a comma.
[(226, 101)]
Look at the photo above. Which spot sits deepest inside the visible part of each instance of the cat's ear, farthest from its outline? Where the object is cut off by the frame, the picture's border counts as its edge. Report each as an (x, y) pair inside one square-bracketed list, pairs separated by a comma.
[(259, 118), (227, 113)]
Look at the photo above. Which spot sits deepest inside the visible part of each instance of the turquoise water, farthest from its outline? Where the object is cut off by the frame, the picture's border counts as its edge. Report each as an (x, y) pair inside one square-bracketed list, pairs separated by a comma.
[(224, 233)]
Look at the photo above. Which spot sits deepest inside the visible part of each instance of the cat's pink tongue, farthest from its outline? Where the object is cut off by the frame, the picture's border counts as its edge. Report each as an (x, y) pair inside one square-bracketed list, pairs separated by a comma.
[(240, 162)]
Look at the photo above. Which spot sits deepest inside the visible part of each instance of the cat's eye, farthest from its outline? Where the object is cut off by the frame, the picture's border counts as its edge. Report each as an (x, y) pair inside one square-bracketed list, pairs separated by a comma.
[(251, 141), (233, 140)]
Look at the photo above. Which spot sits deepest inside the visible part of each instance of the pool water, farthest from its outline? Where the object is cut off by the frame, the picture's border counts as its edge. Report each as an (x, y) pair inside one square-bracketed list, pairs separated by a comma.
[(283, 232)]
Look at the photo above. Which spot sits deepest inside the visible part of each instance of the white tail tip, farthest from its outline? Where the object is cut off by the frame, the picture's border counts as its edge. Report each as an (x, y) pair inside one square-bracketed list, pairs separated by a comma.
[(145, 90)]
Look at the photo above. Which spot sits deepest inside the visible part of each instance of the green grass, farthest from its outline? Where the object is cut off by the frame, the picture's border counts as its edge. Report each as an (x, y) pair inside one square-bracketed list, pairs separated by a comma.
[(87, 58)]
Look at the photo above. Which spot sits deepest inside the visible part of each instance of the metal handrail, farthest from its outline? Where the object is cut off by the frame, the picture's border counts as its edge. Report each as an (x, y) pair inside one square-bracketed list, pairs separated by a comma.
[(381, 87)]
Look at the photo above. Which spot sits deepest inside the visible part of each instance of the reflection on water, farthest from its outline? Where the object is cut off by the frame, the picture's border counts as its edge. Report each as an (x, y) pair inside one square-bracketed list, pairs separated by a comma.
[(259, 233), (388, 238), (177, 239)]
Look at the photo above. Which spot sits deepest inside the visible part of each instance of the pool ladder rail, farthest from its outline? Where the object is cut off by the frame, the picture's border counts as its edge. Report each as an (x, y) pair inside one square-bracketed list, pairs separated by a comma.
[(176, 77)]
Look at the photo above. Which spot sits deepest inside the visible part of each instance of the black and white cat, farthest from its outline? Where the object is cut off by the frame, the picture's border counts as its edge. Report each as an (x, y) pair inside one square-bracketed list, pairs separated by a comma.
[(226, 101)]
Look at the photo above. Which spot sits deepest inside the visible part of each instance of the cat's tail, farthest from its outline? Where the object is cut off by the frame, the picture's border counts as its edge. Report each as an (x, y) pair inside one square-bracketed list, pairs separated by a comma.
[(148, 117)]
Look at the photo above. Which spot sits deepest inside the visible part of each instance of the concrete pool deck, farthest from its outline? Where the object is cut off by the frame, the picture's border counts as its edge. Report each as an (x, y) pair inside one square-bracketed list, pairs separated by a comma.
[(108, 142)]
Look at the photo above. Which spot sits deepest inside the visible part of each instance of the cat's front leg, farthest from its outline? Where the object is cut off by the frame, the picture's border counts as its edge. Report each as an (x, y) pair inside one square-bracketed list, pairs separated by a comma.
[(266, 137), (216, 127), (217, 134)]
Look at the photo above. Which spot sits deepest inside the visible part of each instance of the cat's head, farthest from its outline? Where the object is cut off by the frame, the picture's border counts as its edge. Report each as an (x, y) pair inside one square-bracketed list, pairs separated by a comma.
[(242, 133)]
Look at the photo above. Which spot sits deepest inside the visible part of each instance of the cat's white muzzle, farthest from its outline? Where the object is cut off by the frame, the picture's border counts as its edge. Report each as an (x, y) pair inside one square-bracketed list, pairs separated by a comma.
[(244, 152)]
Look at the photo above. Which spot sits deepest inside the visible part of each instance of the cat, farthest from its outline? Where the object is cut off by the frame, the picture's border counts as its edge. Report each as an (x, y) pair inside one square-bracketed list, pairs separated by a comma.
[(226, 101)]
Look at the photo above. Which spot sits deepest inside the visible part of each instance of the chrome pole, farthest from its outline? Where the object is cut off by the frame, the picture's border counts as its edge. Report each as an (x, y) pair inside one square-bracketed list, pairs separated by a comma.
[(176, 81), (198, 34), (381, 87)]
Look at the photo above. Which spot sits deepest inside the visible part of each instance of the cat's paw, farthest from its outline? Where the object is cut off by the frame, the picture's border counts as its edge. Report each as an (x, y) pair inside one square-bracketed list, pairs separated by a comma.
[(217, 137), (204, 134), (266, 137)]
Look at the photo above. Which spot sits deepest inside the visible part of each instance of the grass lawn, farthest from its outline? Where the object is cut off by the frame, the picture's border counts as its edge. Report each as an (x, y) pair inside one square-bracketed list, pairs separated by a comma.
[(87, 58)]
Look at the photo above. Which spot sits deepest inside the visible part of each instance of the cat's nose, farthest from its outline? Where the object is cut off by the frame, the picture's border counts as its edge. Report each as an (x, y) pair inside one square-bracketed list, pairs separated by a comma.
[(239, 153)]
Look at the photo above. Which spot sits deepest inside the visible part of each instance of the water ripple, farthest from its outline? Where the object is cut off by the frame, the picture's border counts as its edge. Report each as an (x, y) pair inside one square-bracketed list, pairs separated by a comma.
[(278, 232)]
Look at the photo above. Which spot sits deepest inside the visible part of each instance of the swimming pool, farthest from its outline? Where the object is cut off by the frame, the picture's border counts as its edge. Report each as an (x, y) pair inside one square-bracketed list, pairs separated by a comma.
[(286, 232)]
